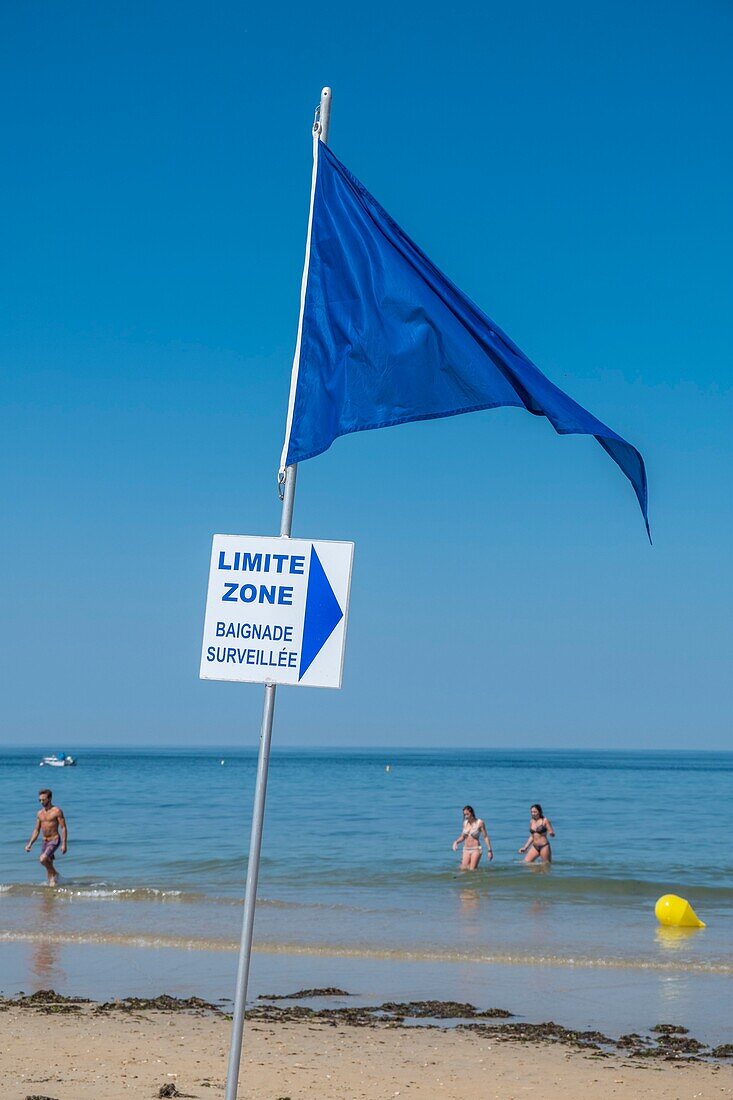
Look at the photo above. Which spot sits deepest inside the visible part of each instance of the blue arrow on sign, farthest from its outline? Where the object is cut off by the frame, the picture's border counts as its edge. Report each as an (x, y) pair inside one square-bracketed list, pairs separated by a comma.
[(322, 614)]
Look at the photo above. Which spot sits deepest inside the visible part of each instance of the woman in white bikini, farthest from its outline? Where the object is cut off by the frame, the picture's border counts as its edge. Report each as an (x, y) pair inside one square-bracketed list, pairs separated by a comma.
[(538, 846), (470, 838)]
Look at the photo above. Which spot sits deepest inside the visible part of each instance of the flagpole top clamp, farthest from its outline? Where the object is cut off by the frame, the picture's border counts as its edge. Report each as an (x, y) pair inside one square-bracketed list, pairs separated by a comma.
[(322, 113)]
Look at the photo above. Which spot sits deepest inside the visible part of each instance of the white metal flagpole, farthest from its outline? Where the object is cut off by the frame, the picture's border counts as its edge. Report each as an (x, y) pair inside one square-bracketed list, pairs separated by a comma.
[(263, 760)]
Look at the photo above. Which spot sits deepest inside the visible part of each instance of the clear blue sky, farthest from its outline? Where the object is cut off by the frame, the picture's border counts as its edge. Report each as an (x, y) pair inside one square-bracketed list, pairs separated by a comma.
[(569, 166)]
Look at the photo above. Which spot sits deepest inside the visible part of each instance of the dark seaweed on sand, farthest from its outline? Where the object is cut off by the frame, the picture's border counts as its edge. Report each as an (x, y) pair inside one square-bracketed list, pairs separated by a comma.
[(548, 1032), (633, 1039), (670, 1042), (162, 1003), (302, 994), (442, 1010), (46, 1001)]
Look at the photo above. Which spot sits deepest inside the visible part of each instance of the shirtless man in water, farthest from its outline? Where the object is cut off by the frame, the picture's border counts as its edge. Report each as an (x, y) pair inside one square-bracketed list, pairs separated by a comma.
[(50, 821)]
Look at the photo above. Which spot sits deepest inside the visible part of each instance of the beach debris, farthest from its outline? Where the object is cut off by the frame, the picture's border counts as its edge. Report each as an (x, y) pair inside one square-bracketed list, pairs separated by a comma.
[(667, 1054), (302, 994), (672, 1043), (442, 1010), (633, 1039), (273, 1013), (37, 1096), (171, 1090), (389, 1014), (439, 1010), (676, 912), (544, 1032), (46, 1001), (669, 1042), (680, 1044), (163, 1003)]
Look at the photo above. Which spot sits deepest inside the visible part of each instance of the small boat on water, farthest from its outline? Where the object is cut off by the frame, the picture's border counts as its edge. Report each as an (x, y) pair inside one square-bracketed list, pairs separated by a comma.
[(58, 760)]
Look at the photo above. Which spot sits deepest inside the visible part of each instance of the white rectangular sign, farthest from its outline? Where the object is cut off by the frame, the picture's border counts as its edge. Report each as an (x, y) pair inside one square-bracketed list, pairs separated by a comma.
[(276, 610)]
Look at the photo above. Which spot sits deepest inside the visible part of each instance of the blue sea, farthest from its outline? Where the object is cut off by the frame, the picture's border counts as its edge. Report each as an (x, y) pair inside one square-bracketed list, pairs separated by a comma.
[(359, 883)]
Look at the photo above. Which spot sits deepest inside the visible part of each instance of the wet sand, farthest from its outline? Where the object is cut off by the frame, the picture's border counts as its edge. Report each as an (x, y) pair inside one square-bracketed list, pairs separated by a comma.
[(66, 1050)]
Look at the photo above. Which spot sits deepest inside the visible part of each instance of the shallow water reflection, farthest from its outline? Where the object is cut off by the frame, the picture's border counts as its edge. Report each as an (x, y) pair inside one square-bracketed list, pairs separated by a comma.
[(44, 955), (675, 939)]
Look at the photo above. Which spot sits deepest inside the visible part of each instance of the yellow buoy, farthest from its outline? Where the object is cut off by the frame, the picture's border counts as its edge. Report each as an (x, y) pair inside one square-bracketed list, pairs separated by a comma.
[(676, 912)]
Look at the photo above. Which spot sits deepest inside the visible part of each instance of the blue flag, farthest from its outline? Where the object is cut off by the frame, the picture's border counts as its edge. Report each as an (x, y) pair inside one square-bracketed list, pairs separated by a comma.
[(385, 338)]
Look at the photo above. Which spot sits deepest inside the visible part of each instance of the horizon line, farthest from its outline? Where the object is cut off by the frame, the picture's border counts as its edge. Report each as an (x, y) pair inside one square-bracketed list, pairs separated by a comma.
[(252, 748)]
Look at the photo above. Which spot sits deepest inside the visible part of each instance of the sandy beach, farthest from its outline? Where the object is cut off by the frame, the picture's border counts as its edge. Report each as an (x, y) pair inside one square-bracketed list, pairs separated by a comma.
[(86, 1051)]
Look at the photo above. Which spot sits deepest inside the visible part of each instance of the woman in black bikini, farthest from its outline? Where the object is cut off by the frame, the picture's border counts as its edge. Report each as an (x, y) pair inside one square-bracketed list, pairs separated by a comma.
[(538, 846), (470, 838)]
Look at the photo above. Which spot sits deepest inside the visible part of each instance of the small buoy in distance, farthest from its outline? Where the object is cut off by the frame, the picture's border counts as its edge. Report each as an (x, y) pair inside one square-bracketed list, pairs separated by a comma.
[(675, 912), (388, 768), (221, 761)]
